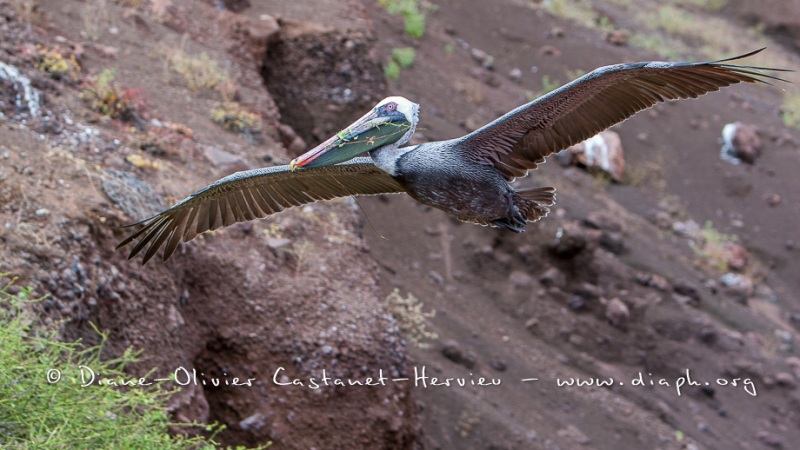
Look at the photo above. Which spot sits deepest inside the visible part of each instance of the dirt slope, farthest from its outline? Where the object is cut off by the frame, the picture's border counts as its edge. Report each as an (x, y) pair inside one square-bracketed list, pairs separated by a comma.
[(512, 317)]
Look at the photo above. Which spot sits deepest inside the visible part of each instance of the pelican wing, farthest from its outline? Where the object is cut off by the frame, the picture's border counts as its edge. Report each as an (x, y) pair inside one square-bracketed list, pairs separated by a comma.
[(254, 194), (522, 138)]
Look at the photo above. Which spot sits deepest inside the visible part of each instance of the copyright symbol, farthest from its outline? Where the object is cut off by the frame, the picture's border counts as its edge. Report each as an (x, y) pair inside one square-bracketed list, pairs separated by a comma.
[(53, 376)]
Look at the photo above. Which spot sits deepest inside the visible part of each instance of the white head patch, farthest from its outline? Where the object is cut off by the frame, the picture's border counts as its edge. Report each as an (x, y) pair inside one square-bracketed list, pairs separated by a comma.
[(405, 106)]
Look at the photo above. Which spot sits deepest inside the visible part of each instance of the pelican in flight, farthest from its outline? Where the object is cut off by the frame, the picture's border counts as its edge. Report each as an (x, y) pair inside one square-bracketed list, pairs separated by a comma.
[(468, 177)]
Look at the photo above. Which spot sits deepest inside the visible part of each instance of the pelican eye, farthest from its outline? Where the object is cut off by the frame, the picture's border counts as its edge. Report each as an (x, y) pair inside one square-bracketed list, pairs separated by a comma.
[(389, 108)]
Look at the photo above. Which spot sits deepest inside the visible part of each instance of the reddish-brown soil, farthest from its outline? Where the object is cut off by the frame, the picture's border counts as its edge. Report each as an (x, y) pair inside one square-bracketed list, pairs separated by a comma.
[(620, 293)]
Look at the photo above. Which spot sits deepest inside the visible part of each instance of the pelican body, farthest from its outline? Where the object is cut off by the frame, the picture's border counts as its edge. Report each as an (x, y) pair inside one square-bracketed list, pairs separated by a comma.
[(468, 177), (475, 193)]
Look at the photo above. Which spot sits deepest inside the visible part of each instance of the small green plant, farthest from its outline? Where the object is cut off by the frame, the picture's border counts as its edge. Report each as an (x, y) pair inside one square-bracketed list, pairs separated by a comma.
[(401, 58), (790, 110), (604, 23), (392, 69), (233, 117), (413, 14), (44, 402), (105, 97), (713, 247), (549, 85), (411, 319), (57, 63), (404, 56)]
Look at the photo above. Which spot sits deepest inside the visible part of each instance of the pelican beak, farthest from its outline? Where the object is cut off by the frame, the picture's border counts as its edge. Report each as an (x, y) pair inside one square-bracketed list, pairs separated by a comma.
[(371, 131)]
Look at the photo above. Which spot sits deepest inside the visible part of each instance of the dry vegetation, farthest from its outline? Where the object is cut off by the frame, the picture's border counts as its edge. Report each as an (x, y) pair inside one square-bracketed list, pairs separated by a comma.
[(142, 162), (681, 29), (106, 97), (713, 247), (234, 117), (412, 320), (200, 71), (58, 63)]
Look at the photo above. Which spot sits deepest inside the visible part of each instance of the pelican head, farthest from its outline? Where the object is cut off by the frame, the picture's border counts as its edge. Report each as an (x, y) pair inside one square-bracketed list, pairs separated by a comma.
[(390, 123)]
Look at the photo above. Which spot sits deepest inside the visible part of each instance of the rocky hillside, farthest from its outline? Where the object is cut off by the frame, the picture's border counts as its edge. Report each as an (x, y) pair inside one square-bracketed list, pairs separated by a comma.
[(293, 293)]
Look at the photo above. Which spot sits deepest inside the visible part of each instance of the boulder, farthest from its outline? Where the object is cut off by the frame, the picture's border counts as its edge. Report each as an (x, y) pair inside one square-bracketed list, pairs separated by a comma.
[(603, 151), (740, 143)]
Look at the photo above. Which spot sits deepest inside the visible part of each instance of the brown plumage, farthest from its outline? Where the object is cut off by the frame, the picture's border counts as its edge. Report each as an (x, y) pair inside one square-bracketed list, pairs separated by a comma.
[(255, 194), (522, 138), (467, 177)]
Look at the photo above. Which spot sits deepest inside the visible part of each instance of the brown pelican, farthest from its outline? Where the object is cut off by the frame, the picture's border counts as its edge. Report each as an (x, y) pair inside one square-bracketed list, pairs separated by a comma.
[(467, 177)]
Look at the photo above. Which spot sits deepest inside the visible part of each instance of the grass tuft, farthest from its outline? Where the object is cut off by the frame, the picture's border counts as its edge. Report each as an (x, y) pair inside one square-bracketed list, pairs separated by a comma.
[(713, 247), (411, 319), (200, 71)]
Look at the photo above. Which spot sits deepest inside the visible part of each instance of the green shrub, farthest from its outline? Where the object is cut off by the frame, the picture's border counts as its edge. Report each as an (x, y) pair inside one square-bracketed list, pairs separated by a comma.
[(107, 98), (412, 13), (404, 56), (392, 69), (401, 58), (713, 247), (44, 404)]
